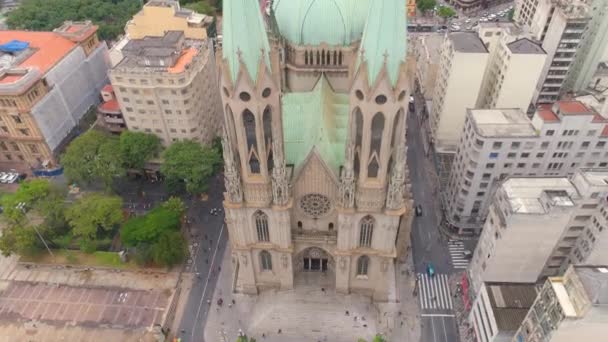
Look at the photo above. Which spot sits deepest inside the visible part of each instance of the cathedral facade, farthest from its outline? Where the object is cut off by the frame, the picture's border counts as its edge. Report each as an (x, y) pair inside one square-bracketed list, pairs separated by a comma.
[(315, 98)]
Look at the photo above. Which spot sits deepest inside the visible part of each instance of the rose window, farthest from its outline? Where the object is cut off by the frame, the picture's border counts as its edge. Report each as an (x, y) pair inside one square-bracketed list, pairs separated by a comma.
[(315, 205)]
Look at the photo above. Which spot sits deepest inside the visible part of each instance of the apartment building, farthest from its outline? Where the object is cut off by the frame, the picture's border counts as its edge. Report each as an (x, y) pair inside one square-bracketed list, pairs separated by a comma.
[(109, 115), (499, 309), (462, 65), (573, 307), (471, 6), (48, 81), (537, 227), (497, 143), (167, 86), (427, 51)]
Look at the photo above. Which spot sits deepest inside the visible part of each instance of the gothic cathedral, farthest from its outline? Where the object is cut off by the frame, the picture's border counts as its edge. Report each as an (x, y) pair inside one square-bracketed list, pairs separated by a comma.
[(315, 97)]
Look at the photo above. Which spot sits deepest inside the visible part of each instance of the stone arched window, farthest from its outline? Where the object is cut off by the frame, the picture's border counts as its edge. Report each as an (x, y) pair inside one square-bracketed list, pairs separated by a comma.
[(265, 261), (267, 123), (306, 57), (358, 136), (335, 57), (366, 231), (252, 145), (261, 225), (318, 57), (362, 265), (340, 58), (375, 145)]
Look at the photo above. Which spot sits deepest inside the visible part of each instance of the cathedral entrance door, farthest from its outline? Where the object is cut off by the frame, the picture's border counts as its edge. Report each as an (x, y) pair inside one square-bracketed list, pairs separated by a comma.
[(315, 264)]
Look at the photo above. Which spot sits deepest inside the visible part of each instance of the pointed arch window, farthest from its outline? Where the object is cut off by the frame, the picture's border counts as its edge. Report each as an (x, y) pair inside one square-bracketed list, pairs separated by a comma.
[(340, 58), (265, 261), (366, 231), (377, 130), (267, 122), (362, 265), (306, 57), (358, 127), (335, 57), (249, 125), (318, 57), (261, 226), (373, 167), (396, 128), (254, 163)]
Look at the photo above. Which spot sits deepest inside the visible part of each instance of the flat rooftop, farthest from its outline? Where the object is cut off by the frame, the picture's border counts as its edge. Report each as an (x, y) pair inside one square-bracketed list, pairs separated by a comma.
[(525, 46), (502, 122), (528, 195), (433, 43), (596, 177), (467, 42), (510, 303), (595, 282)]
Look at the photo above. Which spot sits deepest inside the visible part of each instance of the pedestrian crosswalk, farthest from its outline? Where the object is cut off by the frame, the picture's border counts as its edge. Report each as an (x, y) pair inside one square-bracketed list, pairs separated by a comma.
[(434, 292), (456, 248)]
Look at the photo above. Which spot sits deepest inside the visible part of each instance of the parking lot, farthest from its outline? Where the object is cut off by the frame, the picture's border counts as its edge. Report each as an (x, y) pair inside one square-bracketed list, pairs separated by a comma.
[(82, 306)]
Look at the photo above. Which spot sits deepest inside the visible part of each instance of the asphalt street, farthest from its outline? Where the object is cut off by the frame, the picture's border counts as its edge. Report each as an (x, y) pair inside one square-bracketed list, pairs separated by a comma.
[(428, 245), (208, 243)]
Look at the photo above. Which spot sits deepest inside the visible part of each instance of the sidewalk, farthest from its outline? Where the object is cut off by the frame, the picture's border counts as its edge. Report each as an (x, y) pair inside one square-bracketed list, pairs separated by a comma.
[(462, 314), (407, 324)]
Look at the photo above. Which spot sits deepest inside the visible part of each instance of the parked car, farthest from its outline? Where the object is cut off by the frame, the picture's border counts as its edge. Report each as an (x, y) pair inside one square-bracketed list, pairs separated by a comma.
[(467, 254), (4, 177), (12, 178)]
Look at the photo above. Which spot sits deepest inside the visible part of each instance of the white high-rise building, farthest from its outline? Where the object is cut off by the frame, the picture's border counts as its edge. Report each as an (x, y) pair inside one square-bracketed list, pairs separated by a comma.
[(537, 227), (497, 143)]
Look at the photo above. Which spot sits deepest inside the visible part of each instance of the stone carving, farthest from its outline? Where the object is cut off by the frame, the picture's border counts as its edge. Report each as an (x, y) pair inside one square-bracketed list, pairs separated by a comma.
[(284, 260), (342, 264), (384, 266), (232, 180), (280, 184), (244, 259), (347, 180), (396, 188)]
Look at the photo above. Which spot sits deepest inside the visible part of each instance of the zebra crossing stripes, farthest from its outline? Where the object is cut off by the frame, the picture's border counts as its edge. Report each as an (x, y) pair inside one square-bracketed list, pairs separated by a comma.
[(456, 249), (434, 292)]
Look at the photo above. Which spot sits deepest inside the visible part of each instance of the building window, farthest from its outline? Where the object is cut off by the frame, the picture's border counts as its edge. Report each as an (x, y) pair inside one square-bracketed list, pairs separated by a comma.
[(540, 155), (497, 145), (366, 231), (362, 265), (550, 132), (525, 155), (489, 165), (515, 145), (493, 155), (600, 144), (34, 148), (17, 119), (261, 225), (24, 131), (266, 261)]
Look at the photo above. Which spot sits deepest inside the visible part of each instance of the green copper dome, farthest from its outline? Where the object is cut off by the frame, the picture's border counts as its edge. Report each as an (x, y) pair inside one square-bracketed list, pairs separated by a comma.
[(312, 22)]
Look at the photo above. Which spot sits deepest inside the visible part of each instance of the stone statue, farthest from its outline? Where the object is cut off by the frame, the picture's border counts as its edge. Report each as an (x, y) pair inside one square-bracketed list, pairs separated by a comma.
[(347, 180), (280, 184), (232, 180)]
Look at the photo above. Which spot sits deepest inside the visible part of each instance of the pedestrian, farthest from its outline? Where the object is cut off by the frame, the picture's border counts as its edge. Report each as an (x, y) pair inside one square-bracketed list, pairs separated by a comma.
[(323, 289), (401, 323), (233, 301), (346, 312), (207, 261), (219, 269), (280, 331), (263, 335)]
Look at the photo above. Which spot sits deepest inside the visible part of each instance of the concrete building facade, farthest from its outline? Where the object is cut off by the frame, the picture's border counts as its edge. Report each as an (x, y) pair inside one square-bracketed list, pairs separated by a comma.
[(572, 307), (167, 86), (314, 146), (498, 143), (537, 227), (427, 50), (462, 65), (46, 87), (109, 115)]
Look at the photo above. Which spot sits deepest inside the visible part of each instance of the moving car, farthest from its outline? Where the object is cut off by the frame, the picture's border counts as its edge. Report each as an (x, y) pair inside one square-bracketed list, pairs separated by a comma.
[(430, 269), (418, 210), (467, 254)]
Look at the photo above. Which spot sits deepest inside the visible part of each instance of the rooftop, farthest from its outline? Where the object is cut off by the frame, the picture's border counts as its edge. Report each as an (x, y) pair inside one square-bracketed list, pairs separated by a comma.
[(502, 122), (596, 177), (110, 106), (433, 43), (529, 195), (76, 31), (45, 50), (467, 42), (595, 282), (559, 109), (525, 46), (510, 303)]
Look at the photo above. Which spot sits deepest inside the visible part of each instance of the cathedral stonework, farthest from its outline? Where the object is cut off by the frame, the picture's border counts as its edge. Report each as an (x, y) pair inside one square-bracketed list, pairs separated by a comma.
[(314, 143)]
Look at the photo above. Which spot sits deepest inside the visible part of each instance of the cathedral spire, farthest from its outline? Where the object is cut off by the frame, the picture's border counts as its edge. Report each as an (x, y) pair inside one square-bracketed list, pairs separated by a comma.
[(244, 37), (384, 39)]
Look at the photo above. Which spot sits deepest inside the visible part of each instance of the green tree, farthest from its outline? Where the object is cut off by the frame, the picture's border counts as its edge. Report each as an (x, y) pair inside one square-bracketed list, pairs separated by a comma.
[(150, 227), (203, 7), (510, 14), (93, 215), (92, 156), (175, 204), (45, 15), (169, 250), (20, 239), (189, 165), (425, 5), (136, 148), (446, 12)]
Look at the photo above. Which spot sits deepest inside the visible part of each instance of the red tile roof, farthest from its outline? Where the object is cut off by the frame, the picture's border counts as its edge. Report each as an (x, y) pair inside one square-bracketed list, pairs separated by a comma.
[(547, 115), (51, 48), (605, 131), (110, 106), (107, 88), (572, 107), (598, 118)]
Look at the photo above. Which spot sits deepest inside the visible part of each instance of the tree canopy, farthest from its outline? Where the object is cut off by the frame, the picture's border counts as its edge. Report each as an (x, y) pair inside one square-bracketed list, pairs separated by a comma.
[(189, 165), (92, 156), (137, 147), (446, 12), (426, 5), (200, 6), (45, 15), (94, 213)]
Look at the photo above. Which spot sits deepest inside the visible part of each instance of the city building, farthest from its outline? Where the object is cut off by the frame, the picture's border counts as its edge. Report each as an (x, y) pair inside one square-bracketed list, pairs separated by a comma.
[(497, 143), (560, 26), (317, 187), (427, 50), (109, 115), (159, 16), (538, 226), (462, 66), (470, 6), (573, 307), (48, 81), (499, 309), (167, 86)]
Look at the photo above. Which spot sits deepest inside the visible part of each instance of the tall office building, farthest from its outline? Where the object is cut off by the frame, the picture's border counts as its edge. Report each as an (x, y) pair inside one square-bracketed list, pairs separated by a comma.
[(498, 143), (537, 227)]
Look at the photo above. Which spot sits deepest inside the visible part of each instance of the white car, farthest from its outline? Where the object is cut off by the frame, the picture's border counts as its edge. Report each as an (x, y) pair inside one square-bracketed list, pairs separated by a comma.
[(467, 21), (12, 178), (4, 176)]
